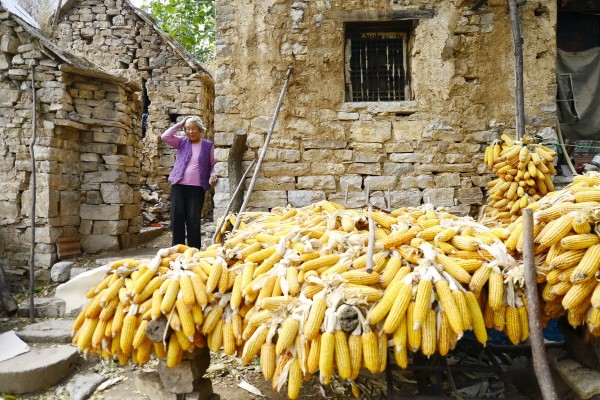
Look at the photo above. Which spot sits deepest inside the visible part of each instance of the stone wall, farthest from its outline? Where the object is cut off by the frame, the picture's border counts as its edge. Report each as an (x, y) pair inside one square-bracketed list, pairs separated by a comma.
[(123, 40), (427, 149), (87, 152)]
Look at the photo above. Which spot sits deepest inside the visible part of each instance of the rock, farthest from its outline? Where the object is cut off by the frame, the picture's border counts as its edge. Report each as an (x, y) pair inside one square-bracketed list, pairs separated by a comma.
[(149, 384), (82, 386), (61, 271), (50, 331), (584, 382), (37, 369), (44, 308), (178, 379)]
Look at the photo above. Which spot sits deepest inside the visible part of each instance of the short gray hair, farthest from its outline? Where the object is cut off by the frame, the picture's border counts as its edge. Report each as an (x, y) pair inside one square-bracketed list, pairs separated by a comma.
[(197, 121)]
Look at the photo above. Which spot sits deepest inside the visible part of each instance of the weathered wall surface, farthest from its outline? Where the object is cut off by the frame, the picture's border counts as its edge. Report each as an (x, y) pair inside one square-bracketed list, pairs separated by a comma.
[(87, 154), (110, 33), (427, 149)]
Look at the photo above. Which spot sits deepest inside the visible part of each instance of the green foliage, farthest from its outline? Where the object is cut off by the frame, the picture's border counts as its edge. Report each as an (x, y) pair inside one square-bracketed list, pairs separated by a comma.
[(190, 22)]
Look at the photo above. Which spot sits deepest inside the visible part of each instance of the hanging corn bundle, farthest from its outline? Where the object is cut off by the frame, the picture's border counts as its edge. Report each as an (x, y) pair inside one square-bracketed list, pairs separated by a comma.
[(292, 287), (524, 172)]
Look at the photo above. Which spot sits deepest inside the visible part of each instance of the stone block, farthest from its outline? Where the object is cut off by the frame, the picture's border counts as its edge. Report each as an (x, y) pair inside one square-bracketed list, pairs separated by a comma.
[(61, 271), (100, 212), (407, 130), (116, 193), (352, 182), (268, 199), (397, 168), (325, 168), (9, 95), (110, 227), (398, 147), (274, 183), (9, 44), (380, 182), (447, 180), (406, 198), (98, 243), (50, 307), (317, 155), (439, 197), (471, 195), (322, 182), (411, 158), (371, 131), (178, 379), (82, 386), (365, 169), (301, 198)]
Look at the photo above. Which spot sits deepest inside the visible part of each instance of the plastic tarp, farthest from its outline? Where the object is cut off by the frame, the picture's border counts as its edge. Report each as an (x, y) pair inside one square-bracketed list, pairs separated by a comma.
[(578, 76)]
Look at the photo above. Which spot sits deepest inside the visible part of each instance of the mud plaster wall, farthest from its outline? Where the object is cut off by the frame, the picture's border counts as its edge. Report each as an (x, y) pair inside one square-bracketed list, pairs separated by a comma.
[(428, 149)]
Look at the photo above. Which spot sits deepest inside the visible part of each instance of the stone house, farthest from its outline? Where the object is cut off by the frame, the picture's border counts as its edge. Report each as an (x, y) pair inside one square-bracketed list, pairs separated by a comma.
[(87, 151), (125, 41), (398, 96)]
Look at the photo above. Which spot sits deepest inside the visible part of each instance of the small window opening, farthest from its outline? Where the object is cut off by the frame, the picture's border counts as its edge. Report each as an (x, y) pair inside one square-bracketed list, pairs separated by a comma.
[(377, 61), (173, 118), (146, 107)]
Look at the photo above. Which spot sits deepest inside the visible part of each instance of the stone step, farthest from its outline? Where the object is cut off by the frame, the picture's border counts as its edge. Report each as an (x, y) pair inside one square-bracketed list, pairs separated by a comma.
[(44, 307), (585, 382), (150, 232), (41, 367), (49, 331)]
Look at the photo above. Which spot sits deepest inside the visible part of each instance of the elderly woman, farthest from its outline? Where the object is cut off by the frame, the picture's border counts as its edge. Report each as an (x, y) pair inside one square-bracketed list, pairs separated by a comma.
[(192, 175)]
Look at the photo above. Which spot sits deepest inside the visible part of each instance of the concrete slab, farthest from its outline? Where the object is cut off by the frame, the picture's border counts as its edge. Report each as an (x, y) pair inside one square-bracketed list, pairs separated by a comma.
[(44, 307), (82, 386), (43, 366), (50, 331)]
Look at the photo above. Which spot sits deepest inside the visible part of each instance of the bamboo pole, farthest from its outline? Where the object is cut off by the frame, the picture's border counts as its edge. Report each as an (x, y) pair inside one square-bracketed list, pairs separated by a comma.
[(538, 350), (519, 93), (263, 152)]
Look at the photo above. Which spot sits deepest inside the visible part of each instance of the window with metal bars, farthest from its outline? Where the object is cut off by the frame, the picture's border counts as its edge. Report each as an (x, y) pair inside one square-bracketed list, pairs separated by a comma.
[(376, 61)]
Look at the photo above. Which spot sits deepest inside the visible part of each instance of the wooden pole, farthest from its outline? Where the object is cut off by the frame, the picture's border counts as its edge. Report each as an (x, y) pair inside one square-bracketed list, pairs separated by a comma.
[(33, 197), (371, 247), (536, 337), (230, 205), (234, 167), (519, 93), (263, 152)]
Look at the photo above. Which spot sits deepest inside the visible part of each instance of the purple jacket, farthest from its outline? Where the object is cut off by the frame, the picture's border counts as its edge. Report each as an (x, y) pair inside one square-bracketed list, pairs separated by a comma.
[(184, 154)]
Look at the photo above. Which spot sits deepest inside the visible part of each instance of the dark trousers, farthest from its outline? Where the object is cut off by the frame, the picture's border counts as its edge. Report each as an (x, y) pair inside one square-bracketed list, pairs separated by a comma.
[(186, 209)]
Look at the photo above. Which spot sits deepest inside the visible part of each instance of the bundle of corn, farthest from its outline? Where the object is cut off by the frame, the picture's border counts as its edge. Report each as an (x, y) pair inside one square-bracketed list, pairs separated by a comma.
[(567, 244), (292, 286), (524, 172)]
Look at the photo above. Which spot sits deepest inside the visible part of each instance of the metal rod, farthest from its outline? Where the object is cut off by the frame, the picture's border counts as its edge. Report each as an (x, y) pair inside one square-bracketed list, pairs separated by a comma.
[(231, 201), (538, 351), (519, 93), (33, 197), (263, 152)]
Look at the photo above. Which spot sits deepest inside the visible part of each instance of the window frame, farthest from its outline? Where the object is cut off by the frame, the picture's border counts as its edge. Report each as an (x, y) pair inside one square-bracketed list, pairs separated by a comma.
[(355, 29)]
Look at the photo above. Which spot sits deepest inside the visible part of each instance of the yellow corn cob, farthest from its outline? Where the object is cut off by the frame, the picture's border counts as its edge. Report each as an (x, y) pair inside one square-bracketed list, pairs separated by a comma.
[(109, 310), (567, 259), (524, 322), (360, 277), (187, 290), (287, 335), (111, 291), (578, 294), (578, 242), (495, 290), (499, 319), (479, 278), (391, 269), (159, 350), (213, 316), (477, 320), (397, 239), (174, 352), (445, 297), (581, 225), (275, 303), (260, 317), (356, 355), (453, 268), (128, 333), (342, 355), (468, 265), (267, 289), (294, 379), (267, 360), (463, 309), (429, 334), (147, 292), (292, 280), (587, 195), (400, 348), (384, 220), (555, 231), (94, 310), (215, 337), (326, 357), (313, 355), (422, 303), (253, 345), (170, 296), (117, 321), (315, 317), (267, 264), (382, 343), (445, 332), (98, 333), (323, 261), (187, 320), (445, 235), (371, 355), (445, 247), (398, 310), (561, 288), (214, 276), (513, 325), (588, 266), (413, 336)]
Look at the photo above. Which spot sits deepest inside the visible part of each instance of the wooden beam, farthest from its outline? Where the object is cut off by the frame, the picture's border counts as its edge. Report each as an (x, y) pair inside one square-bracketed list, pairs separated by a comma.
[(379, 15)]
